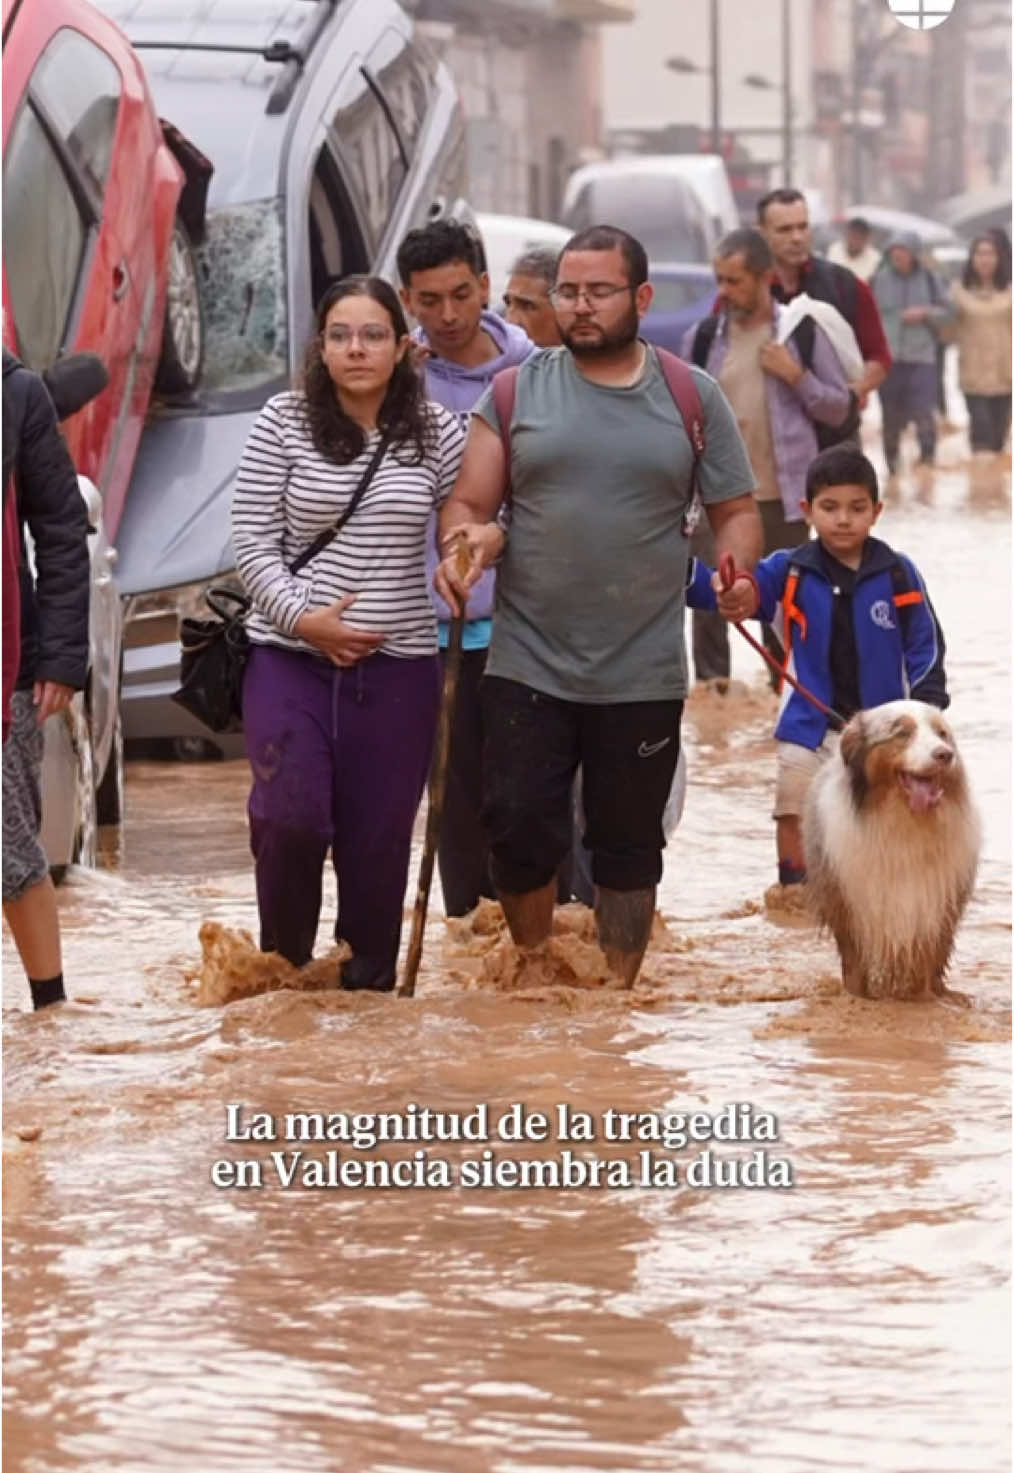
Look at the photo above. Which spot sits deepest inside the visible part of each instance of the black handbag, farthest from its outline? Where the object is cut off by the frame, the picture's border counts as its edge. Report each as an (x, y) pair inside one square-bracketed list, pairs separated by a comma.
[(214, 652)]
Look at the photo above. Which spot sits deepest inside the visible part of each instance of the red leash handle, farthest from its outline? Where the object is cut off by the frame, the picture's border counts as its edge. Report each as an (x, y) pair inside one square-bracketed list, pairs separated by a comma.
[(728, 573)]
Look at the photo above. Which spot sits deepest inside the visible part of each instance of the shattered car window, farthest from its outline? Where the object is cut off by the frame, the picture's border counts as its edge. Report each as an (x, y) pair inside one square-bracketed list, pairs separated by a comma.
[(243, 292)]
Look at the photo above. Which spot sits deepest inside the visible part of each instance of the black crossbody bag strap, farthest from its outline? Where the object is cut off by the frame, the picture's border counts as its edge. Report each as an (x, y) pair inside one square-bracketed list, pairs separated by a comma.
[(321, 541)]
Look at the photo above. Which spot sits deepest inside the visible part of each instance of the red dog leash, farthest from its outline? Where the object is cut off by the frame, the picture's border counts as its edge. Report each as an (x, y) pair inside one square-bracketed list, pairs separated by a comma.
[(728, 574)]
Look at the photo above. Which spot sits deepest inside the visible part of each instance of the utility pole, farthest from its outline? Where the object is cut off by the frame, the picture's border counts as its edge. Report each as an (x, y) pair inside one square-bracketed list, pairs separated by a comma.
[(716, 87), (787, 91), (857, 80)]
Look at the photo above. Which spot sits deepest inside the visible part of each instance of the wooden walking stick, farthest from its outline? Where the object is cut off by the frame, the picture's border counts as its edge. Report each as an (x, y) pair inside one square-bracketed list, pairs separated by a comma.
[(438, 784)]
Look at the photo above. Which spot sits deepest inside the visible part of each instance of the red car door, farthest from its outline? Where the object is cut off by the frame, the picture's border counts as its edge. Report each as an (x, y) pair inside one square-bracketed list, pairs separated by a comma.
[(89, 195)]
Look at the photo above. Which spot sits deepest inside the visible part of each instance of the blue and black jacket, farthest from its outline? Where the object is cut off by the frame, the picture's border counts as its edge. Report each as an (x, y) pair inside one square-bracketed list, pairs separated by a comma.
[(898, 640)]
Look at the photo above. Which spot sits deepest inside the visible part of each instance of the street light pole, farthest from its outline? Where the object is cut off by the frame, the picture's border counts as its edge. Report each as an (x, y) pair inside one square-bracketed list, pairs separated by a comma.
[(787, 90), (857, 144), (716, 92)]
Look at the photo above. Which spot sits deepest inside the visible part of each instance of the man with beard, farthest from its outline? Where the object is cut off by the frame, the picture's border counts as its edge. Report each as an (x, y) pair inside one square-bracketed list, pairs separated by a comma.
[(587, 665), (779, 394)]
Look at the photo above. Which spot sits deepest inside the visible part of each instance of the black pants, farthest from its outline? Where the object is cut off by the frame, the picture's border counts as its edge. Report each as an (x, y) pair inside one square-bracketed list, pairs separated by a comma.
[(989, 416), (534, 745), (909, 393), (463, 853)]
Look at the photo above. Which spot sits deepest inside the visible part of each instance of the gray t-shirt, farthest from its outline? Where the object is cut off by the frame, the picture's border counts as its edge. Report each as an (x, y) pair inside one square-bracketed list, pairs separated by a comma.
[(590, 597)]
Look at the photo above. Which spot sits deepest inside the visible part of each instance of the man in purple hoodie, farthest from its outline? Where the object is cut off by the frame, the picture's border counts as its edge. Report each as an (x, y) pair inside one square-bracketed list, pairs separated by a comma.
[(462, 346)]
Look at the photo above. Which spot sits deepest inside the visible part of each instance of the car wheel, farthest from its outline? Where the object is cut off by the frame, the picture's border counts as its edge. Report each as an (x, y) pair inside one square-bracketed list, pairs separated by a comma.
[(179, 368), (109, 796)]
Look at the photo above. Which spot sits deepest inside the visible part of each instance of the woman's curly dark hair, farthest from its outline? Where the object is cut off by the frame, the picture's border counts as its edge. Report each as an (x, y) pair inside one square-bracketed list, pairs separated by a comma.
[(403, 413)]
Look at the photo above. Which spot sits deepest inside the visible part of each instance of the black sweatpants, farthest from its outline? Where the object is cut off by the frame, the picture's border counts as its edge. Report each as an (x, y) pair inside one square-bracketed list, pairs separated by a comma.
[(533, 747), (989, 420), (463, 853)]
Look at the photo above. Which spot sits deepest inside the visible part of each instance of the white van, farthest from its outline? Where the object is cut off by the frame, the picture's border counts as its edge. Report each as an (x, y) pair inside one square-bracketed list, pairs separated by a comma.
[(707, 174), (646, 195)]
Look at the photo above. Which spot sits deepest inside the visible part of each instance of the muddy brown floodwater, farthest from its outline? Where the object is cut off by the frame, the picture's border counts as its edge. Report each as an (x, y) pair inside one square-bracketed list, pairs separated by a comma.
[(858, 1320)]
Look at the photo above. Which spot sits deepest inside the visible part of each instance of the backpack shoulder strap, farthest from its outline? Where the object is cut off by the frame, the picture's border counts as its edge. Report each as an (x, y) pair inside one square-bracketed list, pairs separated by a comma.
[(504, 386), (680, 382), (803, 336), (703, 339)]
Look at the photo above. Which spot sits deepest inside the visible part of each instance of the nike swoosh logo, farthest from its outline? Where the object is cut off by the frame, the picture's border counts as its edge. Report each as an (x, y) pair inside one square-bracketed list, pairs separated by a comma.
[(646, 750)]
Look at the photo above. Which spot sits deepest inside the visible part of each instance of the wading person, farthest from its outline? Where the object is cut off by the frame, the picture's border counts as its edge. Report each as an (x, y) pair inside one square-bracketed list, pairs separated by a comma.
[(857, 622), (41, 495), (780, 392), (982, 304), (444, 288), (783, 219), (527, 302), (912, 305), (587, 665), (855, 249), (342, 688)]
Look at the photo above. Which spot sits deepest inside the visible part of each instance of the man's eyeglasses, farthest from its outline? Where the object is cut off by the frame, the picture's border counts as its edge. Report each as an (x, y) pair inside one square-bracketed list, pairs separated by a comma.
[(373, 335), (567, 295)]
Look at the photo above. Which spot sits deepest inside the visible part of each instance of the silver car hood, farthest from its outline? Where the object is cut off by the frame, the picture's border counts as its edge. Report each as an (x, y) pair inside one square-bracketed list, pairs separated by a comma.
[(175, 525)]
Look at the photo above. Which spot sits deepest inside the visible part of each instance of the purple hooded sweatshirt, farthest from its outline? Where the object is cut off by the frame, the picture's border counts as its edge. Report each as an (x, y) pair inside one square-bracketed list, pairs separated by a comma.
[(459, 390)]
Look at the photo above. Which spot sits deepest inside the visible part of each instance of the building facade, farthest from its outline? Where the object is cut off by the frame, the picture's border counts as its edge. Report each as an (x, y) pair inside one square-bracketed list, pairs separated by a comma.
[(530, 77)]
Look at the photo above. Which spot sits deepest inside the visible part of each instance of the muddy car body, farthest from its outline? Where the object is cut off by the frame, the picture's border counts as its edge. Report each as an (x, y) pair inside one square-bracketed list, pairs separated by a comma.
[(329, 140)]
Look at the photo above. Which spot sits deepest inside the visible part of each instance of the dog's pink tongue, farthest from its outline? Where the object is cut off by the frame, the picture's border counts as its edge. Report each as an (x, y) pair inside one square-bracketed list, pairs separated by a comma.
[(922, 793)]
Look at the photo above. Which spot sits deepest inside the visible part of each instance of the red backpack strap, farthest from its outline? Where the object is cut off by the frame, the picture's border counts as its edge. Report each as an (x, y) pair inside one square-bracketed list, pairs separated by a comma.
[(680, 382), (505, 389), (684, 391)]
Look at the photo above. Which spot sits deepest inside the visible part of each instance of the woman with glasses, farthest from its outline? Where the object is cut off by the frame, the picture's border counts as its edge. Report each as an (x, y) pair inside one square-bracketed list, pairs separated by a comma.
[(342, 687)]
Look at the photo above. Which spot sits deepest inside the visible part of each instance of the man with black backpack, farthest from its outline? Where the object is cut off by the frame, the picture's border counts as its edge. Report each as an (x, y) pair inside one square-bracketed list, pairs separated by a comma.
[(783, 219), (599, 444), (781, 394)]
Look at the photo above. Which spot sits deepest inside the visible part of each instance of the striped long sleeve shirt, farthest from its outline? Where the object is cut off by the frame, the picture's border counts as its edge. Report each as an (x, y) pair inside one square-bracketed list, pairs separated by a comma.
[(286, 494)]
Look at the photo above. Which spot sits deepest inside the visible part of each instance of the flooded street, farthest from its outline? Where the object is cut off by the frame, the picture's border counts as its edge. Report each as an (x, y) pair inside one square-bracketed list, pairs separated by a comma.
[(155, 1322)]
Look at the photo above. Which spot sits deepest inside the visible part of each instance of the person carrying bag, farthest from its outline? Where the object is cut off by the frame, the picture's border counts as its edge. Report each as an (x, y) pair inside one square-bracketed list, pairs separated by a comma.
[(342, 681), (214, 652)]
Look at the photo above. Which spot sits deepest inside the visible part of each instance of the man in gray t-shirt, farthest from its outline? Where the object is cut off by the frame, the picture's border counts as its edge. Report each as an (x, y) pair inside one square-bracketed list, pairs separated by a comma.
[(587, 663)]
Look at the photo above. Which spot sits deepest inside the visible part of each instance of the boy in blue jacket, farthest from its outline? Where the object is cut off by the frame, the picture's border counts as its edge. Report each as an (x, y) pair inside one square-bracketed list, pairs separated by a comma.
[(855, 621)]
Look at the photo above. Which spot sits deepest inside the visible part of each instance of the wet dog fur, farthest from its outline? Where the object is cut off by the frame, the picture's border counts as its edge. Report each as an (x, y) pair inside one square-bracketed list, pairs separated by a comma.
[(892, 843)]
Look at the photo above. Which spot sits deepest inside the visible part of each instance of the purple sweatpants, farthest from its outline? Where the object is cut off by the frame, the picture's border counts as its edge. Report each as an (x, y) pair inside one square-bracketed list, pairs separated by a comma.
[(339, 761)]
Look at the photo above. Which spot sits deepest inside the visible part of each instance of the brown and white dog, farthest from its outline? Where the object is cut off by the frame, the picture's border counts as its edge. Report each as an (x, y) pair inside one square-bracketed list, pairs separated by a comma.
[(892, 843)]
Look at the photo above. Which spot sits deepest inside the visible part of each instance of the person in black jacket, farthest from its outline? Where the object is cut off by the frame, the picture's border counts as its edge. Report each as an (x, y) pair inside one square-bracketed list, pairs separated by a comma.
[(38, 471)]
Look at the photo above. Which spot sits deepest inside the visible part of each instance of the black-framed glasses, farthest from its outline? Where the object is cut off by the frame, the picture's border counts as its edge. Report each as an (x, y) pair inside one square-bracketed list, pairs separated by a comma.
[(567, 295)]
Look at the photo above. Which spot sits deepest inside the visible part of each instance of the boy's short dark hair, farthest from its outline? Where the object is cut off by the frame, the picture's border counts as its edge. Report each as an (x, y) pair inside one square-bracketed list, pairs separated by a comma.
[(840, 466), (438, 244)]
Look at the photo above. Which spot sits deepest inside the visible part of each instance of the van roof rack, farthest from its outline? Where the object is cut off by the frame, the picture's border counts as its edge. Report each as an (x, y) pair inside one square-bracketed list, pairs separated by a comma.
[(290, 55)]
